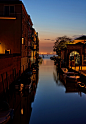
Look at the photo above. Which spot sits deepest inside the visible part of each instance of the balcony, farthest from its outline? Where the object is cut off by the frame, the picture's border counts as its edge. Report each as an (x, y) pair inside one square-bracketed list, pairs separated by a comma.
[(12, 18)]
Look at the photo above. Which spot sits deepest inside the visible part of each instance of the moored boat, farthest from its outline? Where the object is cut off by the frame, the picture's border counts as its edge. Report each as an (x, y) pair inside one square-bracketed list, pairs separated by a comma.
[(6, 113), (64, 70), (81, 86), (72, 78)]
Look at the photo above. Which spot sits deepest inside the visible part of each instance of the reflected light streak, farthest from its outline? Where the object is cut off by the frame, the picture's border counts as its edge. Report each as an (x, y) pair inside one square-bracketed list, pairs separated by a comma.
[(47, 53), (22, 111), (45, 62)]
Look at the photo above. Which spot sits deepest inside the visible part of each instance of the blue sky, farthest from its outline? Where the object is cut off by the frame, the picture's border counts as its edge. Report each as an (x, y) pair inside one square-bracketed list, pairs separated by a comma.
[(53, 18)]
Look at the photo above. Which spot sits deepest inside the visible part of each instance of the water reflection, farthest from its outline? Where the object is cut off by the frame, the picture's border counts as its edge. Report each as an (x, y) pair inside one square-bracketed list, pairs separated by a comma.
[(55, 102), (69, 87), (47, 101), (56, 76), (20, 96)]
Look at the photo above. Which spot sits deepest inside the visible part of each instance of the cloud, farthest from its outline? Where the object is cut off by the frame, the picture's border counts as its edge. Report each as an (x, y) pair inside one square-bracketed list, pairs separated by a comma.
[(47, 39), (77, 36)]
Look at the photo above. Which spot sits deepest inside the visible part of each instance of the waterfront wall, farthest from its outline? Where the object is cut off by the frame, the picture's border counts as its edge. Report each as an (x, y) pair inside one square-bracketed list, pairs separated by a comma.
[(9, 70), (24, 64), (16, 36)]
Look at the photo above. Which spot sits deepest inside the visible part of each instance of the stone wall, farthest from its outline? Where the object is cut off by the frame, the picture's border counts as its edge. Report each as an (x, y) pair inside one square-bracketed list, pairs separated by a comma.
[(9, 70)]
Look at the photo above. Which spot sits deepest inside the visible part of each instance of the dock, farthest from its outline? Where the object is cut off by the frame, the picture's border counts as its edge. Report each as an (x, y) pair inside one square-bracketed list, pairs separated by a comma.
[(81, 70)]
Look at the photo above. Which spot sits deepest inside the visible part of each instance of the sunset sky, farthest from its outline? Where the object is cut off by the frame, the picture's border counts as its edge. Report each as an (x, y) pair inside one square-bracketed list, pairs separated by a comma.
[(54, 18)]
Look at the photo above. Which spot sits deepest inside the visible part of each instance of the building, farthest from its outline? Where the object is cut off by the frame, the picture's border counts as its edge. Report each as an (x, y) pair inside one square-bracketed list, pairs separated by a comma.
[(16, 41), (35, 46), (75, 53)]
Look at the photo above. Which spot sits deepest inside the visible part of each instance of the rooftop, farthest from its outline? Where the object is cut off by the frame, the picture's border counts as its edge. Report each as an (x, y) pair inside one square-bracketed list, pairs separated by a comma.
[(81, 38), (11, 1)]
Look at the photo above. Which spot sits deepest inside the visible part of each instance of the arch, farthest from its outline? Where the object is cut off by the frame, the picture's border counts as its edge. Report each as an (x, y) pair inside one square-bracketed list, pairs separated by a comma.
[(77, 50), (75, 58), (71, 48)]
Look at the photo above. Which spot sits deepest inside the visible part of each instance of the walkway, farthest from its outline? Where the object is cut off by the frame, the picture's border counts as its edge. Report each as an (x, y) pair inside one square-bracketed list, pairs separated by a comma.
[(82, 71)]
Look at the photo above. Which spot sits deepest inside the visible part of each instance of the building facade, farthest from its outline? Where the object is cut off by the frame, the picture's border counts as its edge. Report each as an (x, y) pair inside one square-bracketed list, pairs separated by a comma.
[(75, 53), (16, 38)]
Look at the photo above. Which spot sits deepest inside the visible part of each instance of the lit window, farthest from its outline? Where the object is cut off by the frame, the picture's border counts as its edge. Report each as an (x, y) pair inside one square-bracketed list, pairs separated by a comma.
[(22, 40)]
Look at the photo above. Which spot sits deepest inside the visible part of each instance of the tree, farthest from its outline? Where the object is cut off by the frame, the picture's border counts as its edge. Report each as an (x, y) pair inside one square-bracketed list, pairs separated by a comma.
[(61, 43)]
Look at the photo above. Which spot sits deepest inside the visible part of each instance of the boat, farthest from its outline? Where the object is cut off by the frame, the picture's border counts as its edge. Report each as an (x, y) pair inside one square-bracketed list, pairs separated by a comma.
[(6, 113), (82, 86), (52, 58), (64, 70), (72, 79), (34, 70), (70, 76), (78, 82)]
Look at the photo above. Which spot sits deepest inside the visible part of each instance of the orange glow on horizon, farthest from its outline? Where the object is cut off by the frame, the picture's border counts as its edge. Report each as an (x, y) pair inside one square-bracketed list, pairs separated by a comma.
[(47, 53)]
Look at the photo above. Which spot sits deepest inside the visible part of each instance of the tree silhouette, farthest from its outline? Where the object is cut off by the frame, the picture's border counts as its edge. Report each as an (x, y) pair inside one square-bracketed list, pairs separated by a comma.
[(61, 43)]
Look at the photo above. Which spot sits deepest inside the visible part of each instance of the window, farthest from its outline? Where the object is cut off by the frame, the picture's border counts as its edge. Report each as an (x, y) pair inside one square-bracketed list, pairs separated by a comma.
[(7, 51), (6, 10), (23, 41), (11, 9)]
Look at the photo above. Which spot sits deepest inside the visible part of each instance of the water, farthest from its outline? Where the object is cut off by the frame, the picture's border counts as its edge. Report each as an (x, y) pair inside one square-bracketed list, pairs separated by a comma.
[(55, 104), (47, 56), (49, 102)]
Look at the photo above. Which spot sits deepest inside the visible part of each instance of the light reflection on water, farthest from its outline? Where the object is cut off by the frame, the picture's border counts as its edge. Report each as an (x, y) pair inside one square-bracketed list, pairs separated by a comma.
[(48, 101), (52, 103)]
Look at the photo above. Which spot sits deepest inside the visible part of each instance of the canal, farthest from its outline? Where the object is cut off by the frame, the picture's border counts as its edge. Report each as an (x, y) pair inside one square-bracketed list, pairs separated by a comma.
[(54, 103), (49, 102)]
